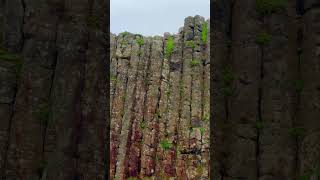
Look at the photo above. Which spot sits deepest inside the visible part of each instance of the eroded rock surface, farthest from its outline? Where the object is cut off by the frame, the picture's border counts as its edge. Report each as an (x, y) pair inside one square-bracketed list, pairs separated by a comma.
[(265, 89), (160, 104), (53, 64)]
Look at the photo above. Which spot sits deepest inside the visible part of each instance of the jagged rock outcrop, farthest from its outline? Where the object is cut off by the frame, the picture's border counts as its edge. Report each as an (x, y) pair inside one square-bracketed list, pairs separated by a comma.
[(160, 104), (53, 100), (265, 89)]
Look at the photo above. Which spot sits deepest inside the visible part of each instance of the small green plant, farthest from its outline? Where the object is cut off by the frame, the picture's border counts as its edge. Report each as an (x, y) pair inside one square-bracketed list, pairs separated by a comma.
[(169, 47), (190, 44), (93, 22), (181, 90), (204, 32), (195, 62), (202, 130), (142, 124), (165, 144), (298, 85), (206, 117), (140, 41), (297, 131), (265, 7), (263, 38), (124, 34), (113, 78)]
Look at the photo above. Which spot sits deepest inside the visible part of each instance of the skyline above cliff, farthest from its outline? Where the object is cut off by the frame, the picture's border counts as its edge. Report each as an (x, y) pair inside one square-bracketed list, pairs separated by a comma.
[(151, 18)]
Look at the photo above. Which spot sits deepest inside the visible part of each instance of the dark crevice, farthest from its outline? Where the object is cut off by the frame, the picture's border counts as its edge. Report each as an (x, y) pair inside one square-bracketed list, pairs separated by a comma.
[(7, 144), (23, 4), (53, 69), (298, 104), (300, 7), (259, 110), (230, 38)]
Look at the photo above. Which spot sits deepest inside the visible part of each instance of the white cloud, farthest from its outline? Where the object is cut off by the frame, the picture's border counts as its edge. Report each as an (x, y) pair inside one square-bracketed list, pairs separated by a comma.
[(154, 17)]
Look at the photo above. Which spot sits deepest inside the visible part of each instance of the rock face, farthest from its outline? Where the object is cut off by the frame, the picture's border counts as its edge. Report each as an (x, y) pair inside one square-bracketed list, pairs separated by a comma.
[(53, 61), (265, 89), (159, 98)]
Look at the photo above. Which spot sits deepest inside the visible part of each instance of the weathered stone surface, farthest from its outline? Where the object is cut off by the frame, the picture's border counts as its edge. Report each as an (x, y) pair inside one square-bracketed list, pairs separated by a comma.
[(264, 91), (160, 105), (53, 124)]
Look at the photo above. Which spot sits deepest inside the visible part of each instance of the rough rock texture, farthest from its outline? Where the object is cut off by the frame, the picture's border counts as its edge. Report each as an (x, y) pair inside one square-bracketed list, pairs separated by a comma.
[(53, 61), (265, 89), (160, 105)]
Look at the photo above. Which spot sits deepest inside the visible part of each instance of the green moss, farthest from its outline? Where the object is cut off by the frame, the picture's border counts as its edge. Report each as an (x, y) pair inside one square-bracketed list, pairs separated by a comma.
[(265, 7), (165, 144), (142, 124), (204, 33), (132, 178), (113, 78), (140, 41), (169, 47), (298, 85), (199, 170), (190, 44), (263, 38), (195, 62), (168, 92), (259, 125), (206, 117), (297, 131), (93, 22), (202, 130), (124, 34), (181, 89)]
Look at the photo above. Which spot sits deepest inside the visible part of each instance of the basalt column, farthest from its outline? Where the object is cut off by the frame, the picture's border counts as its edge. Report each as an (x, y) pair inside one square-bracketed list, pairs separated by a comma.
[(264, 89), (160, 104), (53, 65)]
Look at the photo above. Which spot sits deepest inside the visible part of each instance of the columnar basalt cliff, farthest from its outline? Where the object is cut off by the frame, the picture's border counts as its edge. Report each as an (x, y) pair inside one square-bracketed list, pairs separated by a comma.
[(160, 104), (266, 89), (53, 64)]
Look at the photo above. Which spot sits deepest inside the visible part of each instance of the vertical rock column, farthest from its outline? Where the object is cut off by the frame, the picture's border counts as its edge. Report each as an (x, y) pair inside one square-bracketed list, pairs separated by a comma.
[(162, 131), (57, 128)]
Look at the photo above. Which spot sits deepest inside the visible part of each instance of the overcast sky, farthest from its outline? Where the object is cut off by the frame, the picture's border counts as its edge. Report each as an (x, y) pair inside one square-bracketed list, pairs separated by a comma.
[(154, 17)]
